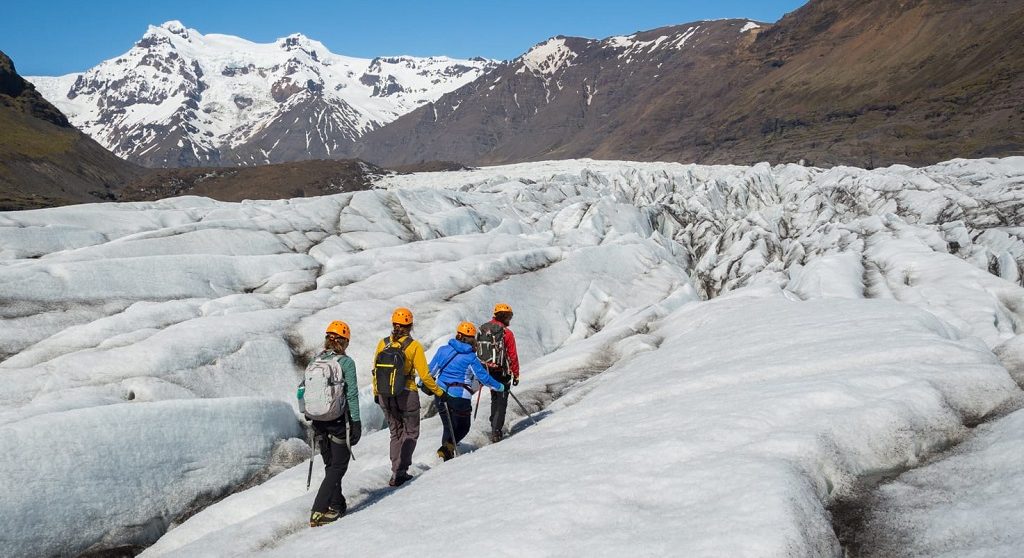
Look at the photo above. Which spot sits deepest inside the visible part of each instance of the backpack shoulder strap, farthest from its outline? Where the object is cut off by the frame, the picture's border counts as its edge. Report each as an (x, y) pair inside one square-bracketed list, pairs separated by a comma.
[(447, 362), (325, 355), (494, 327)]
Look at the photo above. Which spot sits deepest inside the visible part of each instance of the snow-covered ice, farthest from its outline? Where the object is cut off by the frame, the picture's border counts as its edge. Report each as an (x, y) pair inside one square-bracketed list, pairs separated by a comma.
[(967, 504), (714, 354), (119, 474)]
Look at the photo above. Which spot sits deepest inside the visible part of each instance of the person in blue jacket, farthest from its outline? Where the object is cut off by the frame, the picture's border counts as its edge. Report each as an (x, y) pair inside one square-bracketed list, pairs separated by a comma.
[(458, 372)]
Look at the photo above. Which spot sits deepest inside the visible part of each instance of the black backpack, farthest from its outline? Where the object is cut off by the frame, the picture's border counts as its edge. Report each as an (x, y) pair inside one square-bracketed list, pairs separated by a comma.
[(490, 345), (389, 374)]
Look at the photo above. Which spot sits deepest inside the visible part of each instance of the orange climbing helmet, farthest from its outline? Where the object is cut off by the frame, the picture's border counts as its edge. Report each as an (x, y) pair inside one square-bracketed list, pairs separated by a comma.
[(402, 316), (466, 328), (502, 307), (340, 329)]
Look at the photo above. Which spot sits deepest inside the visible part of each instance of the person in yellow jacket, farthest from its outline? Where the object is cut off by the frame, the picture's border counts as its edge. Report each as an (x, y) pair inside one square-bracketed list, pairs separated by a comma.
[(394, 389)]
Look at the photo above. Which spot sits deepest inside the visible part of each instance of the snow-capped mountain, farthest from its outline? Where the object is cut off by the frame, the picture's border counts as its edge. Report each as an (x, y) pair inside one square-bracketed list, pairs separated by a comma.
[(181, 98)]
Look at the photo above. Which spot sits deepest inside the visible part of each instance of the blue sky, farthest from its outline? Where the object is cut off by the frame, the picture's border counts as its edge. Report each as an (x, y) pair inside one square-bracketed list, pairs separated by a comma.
[(53, 38)]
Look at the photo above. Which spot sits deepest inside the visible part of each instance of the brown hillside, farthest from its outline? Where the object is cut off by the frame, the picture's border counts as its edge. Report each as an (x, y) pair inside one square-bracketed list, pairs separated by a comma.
[(284, 180), (882, 82), (43, 160), (862, 82)]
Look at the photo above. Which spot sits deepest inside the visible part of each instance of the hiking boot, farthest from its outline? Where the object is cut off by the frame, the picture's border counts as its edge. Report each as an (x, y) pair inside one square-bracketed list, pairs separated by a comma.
[(496, 436), (398, 479), (316, 519), (446, 451)]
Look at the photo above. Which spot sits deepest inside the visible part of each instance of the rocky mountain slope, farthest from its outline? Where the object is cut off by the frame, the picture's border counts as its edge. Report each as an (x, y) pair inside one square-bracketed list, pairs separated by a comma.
[(179, 98), (44, 161), (837, 81)]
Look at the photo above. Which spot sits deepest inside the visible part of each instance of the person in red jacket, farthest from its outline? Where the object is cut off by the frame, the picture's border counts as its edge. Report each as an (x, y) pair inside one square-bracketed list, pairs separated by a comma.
[(503, 364)]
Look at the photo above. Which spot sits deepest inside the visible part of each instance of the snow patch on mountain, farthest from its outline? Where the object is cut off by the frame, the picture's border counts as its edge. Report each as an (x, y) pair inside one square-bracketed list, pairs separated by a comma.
[(548, 57), (632, 46)]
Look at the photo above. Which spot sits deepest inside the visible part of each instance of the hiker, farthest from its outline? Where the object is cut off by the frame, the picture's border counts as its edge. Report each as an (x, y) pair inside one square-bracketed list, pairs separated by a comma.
[(394, 389), (329, 396), (458, 372), (496, 347)]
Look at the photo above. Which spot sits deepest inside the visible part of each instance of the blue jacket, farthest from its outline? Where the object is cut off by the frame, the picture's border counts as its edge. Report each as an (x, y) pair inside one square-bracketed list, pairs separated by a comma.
[(463, 369)]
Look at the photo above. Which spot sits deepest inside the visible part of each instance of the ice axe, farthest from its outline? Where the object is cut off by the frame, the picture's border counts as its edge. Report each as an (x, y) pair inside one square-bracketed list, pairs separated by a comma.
[(312, 448)]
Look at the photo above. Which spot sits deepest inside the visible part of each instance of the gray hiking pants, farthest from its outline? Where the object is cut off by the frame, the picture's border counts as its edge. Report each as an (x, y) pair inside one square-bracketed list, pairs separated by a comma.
[(403, 414)]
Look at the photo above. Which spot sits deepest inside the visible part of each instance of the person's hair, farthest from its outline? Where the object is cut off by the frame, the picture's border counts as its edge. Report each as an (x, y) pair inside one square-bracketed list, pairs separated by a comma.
[(399, 328), (465, 338), (331, 341)]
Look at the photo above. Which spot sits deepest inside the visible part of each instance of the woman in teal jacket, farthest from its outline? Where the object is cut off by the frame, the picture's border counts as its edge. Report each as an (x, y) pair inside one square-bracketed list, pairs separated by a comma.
[(338, 436), (459, 373)]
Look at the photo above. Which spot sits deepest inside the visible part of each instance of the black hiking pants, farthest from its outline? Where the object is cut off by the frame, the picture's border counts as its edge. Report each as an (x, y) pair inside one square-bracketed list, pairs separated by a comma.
[(336, 457), (459, 418), (499, 404)]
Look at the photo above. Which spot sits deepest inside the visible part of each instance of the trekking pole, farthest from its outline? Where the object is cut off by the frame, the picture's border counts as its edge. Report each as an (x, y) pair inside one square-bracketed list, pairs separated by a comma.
[(312, 447), (477, 410), (521, 406), (448, 421)]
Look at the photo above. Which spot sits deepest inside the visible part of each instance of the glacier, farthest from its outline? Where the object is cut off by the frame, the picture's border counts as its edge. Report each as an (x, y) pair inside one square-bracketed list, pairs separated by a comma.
[(714, 356)]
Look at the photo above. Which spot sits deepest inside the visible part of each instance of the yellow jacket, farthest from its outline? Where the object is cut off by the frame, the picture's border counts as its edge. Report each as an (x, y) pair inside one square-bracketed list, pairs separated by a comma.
[(415, 358)]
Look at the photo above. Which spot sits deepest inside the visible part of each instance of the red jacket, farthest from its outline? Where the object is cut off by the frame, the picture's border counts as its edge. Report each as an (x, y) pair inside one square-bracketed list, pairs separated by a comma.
[(510, 350)]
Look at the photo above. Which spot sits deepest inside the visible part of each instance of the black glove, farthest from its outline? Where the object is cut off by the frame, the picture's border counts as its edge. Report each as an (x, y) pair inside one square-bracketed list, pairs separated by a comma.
[(355, 432), (515, 381)]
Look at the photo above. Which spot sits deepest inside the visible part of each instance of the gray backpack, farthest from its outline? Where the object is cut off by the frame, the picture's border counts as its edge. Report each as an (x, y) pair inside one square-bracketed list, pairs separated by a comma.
[(323, 398)]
